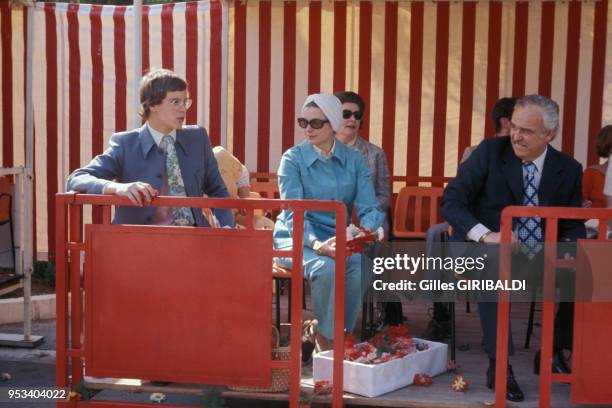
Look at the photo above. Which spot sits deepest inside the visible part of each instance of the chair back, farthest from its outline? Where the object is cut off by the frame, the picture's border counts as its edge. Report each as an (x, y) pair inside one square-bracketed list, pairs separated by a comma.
[(416, 209), (268, 190)]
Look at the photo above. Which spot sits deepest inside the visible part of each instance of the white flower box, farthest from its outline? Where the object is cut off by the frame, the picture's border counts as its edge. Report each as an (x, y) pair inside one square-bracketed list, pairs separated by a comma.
[(372, 380)]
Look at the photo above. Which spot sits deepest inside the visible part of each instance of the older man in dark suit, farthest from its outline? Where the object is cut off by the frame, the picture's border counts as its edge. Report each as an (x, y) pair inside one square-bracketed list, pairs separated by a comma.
[(522, 169)]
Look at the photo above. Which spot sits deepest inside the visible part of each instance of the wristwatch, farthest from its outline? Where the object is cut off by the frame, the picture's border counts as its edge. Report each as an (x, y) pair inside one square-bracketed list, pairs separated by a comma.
[(482, 238), (316, 246)]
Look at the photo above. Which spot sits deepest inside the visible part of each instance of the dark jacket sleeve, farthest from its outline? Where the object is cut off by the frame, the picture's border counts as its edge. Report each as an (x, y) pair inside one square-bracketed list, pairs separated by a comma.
[(105, 167), (571, 230), (462, 191)]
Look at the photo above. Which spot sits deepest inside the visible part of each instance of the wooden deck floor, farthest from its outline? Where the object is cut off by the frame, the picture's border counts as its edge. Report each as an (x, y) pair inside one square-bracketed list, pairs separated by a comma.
[(471, 363)]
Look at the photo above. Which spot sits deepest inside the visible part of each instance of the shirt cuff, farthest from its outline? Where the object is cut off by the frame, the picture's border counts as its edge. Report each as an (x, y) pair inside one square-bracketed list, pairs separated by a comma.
[(311, 240), (105, 186), (243, 181), (477, 232)]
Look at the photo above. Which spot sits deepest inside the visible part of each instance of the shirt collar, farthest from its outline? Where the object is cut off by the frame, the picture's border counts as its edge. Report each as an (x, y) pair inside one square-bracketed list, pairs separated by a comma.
[(157, 135), (353, 142), (539, 162), (311, 152), (321, 153)]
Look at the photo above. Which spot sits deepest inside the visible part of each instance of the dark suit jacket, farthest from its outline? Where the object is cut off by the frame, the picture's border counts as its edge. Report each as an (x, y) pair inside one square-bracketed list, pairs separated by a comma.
[(134, 156), (492, 178)]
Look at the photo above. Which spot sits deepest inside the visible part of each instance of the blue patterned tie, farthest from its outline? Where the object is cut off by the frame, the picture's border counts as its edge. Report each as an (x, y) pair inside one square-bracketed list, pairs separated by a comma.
[(530, 229), (182, 215)]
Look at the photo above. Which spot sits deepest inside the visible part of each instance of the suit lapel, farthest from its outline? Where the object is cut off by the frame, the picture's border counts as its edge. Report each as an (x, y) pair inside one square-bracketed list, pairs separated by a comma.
[(182, 147), (182, 142), (146, 140), (551, 177), (513, 173)]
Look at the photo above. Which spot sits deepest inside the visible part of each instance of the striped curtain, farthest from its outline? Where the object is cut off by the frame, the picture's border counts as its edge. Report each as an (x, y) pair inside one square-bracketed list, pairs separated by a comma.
[(83, 83), (429, 71)]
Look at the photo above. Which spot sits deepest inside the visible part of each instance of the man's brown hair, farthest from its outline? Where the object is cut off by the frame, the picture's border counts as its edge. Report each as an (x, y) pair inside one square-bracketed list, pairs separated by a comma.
[(154, 87)]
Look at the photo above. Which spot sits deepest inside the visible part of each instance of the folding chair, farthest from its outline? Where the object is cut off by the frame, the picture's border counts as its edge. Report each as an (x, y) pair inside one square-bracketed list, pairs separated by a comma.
[(6, 210)]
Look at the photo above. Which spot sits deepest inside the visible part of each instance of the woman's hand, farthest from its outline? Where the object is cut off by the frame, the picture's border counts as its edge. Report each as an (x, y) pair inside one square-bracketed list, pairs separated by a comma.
[(328, 248)]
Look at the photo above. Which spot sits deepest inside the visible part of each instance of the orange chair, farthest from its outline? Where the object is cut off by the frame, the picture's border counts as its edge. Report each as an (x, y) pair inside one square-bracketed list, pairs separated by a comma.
[(268, 190), (416, 209)]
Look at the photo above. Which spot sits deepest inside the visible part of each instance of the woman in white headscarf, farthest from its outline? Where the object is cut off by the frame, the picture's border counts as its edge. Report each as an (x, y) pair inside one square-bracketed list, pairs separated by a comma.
[(322, 168)]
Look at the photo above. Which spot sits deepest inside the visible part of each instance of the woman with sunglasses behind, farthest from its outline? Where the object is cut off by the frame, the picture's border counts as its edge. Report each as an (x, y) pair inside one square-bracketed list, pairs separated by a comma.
[(321, 168), (353, 109)]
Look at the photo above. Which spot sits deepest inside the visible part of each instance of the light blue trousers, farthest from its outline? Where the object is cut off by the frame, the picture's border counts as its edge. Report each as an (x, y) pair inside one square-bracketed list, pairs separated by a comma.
[(320, 270)]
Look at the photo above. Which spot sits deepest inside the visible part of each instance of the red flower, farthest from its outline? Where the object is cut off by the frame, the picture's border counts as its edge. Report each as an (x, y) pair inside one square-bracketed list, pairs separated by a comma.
[(459, 384), (352, 354), (398, 331), (422, 380), (322, 388), (393, 342), (349, 341), (356, 244), (385, 358), (368, 348), (377, 340)]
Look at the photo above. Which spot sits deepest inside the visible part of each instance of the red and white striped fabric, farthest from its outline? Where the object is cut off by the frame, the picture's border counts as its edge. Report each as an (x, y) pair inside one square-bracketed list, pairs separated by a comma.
[(84, 79), (13, 24), (430, 71)]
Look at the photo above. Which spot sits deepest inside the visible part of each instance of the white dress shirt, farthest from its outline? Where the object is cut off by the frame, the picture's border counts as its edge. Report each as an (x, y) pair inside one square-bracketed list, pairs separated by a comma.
[(478, 230)]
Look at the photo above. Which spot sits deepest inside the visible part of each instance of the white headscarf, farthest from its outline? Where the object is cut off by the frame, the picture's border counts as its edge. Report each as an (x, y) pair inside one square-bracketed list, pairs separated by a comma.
[(330, 105)]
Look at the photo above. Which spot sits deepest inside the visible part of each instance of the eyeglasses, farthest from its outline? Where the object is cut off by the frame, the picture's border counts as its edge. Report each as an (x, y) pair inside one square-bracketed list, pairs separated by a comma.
[(178, 103), (346, 114), (314, 123)]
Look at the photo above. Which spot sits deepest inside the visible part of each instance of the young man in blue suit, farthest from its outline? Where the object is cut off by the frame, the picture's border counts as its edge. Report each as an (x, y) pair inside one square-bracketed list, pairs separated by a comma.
[(520, 169), (160, 158)]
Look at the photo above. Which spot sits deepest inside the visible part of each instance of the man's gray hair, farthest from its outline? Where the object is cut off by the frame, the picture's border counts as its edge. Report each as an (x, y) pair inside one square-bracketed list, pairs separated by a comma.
[(550, 109)]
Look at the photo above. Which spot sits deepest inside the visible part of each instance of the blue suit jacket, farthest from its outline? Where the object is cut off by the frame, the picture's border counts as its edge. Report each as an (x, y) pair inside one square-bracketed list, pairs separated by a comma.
[(492, 178), (134, 156)]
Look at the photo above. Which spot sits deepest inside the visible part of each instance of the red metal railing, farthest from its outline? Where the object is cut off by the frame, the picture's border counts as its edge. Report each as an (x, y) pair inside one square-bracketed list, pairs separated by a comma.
[(551, 215), (71, 243)]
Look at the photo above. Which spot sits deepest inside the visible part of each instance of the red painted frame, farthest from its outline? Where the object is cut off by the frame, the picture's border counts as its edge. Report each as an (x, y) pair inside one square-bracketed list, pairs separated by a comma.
[(552, 215), (70, 244)]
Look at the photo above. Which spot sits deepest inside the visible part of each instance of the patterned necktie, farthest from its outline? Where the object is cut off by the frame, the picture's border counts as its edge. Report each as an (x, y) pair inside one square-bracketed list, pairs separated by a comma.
[(182, 215), (530, 229)]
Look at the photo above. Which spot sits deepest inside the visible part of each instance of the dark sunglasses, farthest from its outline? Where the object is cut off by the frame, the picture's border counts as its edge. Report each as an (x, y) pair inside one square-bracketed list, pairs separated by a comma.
[(346, 114), (314, 123)]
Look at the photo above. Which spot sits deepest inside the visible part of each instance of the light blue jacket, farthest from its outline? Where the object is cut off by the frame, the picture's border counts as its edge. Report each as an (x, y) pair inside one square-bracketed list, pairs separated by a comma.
[(134, 156), (304, 174)]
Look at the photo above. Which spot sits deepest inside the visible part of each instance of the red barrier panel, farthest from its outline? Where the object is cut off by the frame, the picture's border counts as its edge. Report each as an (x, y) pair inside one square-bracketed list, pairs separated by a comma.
[(588, 385), (591, 357), (199, 288), (181, 304)]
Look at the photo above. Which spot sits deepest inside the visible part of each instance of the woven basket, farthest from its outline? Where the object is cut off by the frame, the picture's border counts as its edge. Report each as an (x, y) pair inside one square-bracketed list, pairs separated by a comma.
[(280, 376)]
